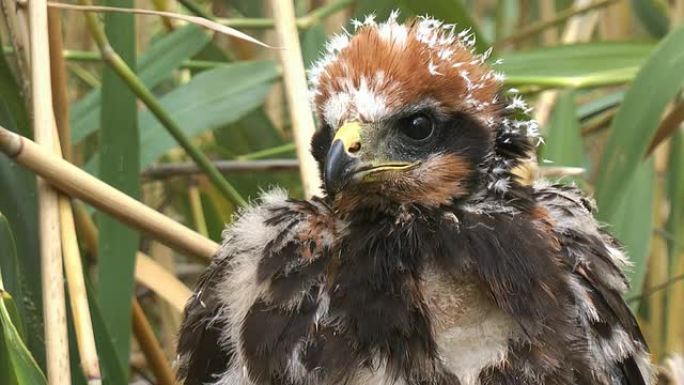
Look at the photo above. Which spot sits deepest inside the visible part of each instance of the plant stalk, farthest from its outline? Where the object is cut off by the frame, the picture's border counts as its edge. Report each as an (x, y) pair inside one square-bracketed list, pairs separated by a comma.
[(303, 22), (60, 97), (168, 170), (83, 326), (297, 93), (668, 126), (78, 183), (85, 337), (268, 152), (559, 18), (150, 346), (196, 208), (146, 96), (54, 307), (148, 272), (322, 12), (154, 276)]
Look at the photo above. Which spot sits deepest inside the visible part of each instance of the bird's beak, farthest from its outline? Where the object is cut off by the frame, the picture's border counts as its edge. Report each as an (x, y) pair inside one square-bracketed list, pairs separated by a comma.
[(342, 163)]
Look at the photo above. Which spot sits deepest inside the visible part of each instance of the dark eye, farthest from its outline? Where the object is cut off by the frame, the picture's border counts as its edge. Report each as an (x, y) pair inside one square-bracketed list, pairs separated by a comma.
[(417, 127)]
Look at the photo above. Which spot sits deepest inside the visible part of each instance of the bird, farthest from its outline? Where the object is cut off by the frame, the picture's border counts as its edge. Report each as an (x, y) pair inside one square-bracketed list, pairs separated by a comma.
[(426, 261)]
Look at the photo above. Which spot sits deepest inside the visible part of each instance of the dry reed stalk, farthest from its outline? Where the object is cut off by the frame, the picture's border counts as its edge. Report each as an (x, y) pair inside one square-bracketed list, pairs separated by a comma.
[(169, 317), (149, 345), (335, 22), (58, 76), (54, 307), (274, 105), (152, 275), (196, 208), (148, 272), (80, 184), (533, 29), (78, 296), (85, 337), (677, 13), (658, 268), (560, 171), (296, 92), (208, 24), (168, 170), (135, 84), (85, 228), (578, 29), (675, 316), (671, 123), (547, 9), (616, 21), (163, 6), (17, 27)]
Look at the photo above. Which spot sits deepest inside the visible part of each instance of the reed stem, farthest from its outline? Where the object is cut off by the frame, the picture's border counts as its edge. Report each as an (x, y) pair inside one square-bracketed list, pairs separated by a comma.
[(54, 307), (196, 208), (297, 93), (146, 96), (78, 296), (78, 183), (150, 347), (560, 17)]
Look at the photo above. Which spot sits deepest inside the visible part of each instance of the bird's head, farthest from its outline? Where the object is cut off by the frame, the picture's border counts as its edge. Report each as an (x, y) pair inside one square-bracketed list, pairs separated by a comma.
[(410, 114)]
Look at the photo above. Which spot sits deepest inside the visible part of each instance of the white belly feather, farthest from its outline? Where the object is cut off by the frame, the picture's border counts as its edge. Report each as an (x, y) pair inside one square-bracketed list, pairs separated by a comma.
[(471, 332)]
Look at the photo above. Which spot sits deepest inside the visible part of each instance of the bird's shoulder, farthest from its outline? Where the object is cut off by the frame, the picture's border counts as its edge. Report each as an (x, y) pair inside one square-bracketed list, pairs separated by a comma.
[(271, 255), (595, 262)]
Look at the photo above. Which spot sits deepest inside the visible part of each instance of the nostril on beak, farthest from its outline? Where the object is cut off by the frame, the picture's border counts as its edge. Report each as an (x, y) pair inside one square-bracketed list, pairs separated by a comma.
[(354, 147)]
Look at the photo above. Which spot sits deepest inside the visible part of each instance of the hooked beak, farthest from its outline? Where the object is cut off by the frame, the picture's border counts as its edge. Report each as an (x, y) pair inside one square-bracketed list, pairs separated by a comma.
[(343, 165)]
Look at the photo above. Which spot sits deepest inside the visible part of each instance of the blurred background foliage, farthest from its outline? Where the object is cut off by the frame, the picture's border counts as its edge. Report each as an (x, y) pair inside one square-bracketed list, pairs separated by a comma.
[(605, 77)]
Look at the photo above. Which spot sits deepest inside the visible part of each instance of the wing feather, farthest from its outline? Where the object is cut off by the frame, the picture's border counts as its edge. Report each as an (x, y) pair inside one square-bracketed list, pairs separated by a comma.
[(595, 261), (261, 283)]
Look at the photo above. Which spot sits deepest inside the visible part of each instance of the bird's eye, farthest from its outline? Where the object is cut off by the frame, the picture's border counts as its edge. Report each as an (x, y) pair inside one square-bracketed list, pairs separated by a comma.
[(417, 127)]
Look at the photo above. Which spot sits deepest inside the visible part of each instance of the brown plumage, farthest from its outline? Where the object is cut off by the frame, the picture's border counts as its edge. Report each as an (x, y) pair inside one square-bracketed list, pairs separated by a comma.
[(427, 262)]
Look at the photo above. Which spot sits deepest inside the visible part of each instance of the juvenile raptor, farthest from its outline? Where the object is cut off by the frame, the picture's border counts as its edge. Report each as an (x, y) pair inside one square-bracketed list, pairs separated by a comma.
[(426, 262)]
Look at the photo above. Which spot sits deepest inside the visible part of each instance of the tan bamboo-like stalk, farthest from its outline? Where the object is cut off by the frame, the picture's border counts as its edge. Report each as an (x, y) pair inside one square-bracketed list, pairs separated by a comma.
[(533, 29), (152, 275), (148, 272), (209, 24), (578, 29), (163, 5), (657, 270), (78, 183), (196, 208), (16, 23), (677, 13), (54, 307), (150, 346), (60, 98), (125, 73), (296, 92), (85, 228), (169, 170), (670, 124), (78, 296), (675, 311), (547, 9), (169, 317), (616, 22)]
